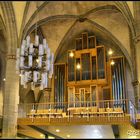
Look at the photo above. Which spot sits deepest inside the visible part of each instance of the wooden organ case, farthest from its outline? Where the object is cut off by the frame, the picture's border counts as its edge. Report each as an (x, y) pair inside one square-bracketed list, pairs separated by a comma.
[(90, 76)]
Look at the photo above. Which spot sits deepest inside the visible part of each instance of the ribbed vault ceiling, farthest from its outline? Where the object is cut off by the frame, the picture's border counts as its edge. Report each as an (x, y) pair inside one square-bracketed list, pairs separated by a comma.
[(59, 24)]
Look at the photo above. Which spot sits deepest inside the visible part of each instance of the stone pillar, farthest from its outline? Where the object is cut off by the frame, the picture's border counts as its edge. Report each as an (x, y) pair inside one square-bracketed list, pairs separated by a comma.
[(136, 83), (137, 50), (136, 92), (11, 99)]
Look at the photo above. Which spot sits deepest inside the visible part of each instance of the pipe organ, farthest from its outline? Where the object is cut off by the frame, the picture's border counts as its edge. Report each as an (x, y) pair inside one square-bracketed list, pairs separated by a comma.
[(59, 81), (90, 74), (117, 78)]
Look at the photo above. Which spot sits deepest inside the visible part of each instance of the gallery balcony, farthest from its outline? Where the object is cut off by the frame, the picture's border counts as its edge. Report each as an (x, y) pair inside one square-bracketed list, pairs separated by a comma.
[(107, 112)]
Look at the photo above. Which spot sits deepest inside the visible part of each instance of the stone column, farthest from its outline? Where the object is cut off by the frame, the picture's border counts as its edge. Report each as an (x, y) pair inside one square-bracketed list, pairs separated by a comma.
[(136, 83), (136, 41), (136, 93), (11, 87), (11, 99)]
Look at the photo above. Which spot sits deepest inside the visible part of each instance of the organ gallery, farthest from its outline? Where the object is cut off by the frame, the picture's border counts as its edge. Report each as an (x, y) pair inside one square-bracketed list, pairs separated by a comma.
[(69, 69)]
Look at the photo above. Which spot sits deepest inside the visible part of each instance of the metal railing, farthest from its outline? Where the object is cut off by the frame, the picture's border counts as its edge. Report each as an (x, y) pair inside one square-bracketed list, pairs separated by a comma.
[(24, 109), (128, 110)]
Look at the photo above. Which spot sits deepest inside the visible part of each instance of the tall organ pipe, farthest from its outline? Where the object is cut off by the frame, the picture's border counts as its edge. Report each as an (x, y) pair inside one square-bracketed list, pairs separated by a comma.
[(55, 78), (122, 66), (112, 83), (120, 88), (58, 85), (117, 90), (120, 81), (60, 97), (117, 81), (62, 90), (123, 77), (115, 85), (113, 88)]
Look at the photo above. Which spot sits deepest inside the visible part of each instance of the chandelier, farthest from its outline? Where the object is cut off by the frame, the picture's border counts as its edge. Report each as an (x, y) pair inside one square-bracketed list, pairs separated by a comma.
[(34, 63)]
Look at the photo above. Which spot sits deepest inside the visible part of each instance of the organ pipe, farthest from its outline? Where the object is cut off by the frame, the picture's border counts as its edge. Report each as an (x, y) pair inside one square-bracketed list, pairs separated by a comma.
[(61, 87), (123, 78), (58, 85), (123, 86), (113, 92), (117, 81), (115, 85), (120, 81), (112, 83)]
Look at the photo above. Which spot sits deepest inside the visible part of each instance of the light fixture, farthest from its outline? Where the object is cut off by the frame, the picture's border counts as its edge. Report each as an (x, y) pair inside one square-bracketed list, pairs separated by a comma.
[(71, 54), (110, 52), (57, 130), (112, 62), (37, 60), (96, 134), (4, 79), (34, 63), (131, 107), (78, 66), (41, 135), (51, 137), (95, 131), (68, 136)]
